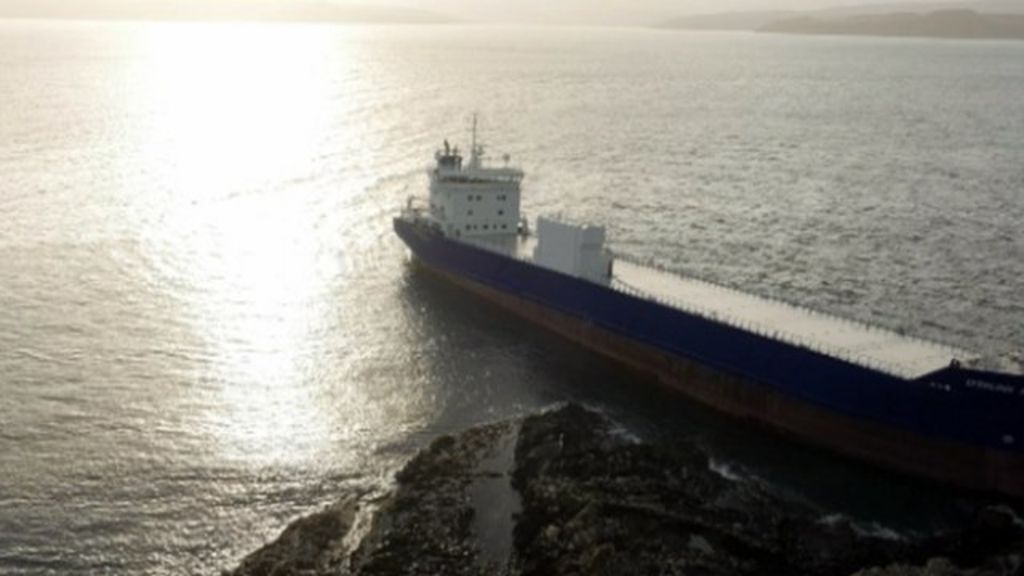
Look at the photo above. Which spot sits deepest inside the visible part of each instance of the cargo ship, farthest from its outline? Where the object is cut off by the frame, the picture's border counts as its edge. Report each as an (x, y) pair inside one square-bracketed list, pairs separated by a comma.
[(904, 403)]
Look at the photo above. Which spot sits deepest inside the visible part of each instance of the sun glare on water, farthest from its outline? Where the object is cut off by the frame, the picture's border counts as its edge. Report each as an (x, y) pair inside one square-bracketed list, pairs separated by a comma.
[(239, 114), (239, 106)]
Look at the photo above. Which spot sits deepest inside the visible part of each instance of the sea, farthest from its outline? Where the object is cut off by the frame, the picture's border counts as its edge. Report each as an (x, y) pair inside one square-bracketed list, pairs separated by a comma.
[(208, 328)]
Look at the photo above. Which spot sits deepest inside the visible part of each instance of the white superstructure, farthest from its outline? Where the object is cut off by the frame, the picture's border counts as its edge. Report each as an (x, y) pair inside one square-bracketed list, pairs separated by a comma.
[(469, 200), (574, 249), (479, 205)]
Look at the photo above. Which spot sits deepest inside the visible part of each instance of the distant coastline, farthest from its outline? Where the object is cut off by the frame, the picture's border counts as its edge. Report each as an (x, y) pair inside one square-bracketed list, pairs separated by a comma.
[(989, 19), (225, 10), (965, 24)]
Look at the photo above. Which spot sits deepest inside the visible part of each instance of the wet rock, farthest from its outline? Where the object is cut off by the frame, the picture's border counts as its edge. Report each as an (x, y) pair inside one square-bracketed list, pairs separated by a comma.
[(942, 567), (992, 546), (425, 528), (311, 545), (644, 510), (591, 502)]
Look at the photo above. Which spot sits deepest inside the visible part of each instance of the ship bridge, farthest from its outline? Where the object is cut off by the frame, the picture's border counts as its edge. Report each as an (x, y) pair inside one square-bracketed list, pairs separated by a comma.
[(474, 201)]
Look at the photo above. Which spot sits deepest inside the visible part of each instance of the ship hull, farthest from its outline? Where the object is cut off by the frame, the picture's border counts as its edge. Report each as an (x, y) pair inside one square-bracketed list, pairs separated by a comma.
[(846, 408)]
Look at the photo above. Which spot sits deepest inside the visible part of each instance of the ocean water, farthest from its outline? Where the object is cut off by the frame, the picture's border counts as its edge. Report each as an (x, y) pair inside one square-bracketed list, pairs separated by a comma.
[(208, 329)]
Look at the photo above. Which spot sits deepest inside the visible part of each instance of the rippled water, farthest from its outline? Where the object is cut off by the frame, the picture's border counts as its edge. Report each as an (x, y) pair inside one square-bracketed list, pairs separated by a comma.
[(207, 327)]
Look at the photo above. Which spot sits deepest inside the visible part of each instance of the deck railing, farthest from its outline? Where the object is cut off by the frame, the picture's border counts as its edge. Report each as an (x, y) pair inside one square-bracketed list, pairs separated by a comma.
[(838, 352), (760, 329)]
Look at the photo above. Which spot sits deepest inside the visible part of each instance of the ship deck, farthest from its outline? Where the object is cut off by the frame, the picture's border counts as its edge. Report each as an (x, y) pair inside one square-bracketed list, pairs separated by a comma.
[(877, 348)]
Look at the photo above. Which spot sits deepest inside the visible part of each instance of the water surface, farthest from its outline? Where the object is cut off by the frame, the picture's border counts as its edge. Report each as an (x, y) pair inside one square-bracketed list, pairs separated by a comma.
[(207, 327)]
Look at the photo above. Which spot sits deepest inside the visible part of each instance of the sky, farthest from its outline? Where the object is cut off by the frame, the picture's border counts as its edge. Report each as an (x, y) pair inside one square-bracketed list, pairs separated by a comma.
[(599, 12)]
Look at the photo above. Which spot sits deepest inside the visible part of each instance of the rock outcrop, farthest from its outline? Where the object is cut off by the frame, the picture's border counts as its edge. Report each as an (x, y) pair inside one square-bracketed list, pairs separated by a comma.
[(575, 497)]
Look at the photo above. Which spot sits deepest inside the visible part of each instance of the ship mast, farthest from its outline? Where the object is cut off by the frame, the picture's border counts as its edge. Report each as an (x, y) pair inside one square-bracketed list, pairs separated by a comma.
[(475, 151), (474, 132)]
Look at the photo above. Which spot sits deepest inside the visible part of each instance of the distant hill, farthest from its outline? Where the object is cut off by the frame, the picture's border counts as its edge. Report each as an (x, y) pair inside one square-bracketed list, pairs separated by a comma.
[(761, 19), (942, 24), (217, 10), (919, 7)]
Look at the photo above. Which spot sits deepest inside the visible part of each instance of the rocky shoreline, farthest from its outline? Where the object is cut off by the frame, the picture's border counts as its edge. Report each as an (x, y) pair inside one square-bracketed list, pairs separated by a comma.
[(563, 493)]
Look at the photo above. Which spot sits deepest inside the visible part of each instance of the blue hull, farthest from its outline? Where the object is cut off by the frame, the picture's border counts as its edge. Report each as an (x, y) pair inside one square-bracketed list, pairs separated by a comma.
[(952, 419)]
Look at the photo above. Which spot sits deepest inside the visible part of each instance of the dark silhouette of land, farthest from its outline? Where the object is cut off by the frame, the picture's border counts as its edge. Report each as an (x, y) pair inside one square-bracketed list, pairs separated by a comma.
[(942, 24), (942, 19), (221, 10)]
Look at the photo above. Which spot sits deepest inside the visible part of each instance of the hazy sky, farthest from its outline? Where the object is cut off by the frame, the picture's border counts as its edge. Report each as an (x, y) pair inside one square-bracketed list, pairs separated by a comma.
[(545, 11)]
